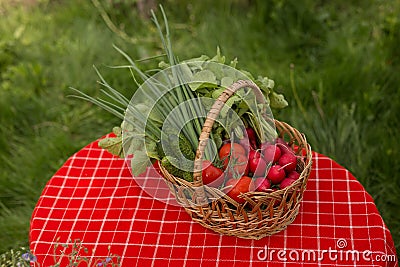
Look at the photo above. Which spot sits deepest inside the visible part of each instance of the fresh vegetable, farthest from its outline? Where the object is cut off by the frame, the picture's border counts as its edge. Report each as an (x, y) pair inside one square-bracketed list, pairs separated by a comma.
[(175, 170), (253, 154), (258, 166), (251, 134), (211, 175), (178, 162), (276, 174), (288, 161), (236, 187), (286, 182), (234, 159), (281, 141), (281, 174), (231, 149), (271, 152), (245, 143), (293, 175), (237, 166), (190, 81), (170, 144), (262, 184), (285, 148)]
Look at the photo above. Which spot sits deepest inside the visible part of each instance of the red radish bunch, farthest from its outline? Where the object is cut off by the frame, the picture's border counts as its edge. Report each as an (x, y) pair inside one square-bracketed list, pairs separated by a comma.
[(271, 152), (283, 171), (262, 184), (286, 182), (244, 167)]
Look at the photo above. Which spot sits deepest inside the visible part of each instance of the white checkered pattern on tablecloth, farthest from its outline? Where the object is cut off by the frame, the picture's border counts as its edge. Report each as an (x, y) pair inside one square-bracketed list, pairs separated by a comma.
[(93, 198)]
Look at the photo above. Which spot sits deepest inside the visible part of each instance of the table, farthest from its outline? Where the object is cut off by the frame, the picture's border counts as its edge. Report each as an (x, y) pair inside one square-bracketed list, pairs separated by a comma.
[(93, 210)]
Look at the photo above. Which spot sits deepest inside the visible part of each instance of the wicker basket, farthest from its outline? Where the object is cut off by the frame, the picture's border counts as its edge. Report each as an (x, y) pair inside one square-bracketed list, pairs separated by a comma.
[(262, 214)]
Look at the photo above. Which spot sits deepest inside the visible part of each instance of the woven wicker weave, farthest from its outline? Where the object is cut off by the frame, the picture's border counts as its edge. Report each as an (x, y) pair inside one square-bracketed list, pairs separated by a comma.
[(263, 213)]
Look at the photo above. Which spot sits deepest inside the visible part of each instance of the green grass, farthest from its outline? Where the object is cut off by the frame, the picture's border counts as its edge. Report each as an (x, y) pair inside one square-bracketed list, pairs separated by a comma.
[(346, 64)]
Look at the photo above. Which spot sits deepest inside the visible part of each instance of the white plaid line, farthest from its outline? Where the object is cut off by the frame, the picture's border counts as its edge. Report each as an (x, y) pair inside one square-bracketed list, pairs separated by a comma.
[(284, 243), (119, 220), (219, 250), (108, 209), (188, 244), (83, 200), (204, 246), (94, 205), (173, 241), (333, 199), (53, 204), (158, 238), (251, 253), (352, 208), (128, 236), (317, 200), (350, 214), (147, 221)]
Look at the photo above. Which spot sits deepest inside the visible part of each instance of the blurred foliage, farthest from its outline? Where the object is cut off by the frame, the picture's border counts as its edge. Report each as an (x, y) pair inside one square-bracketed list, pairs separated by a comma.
[(341, 58)]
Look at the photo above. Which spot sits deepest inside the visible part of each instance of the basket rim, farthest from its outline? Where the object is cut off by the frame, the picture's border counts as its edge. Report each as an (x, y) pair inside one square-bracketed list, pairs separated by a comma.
[(306, 151)]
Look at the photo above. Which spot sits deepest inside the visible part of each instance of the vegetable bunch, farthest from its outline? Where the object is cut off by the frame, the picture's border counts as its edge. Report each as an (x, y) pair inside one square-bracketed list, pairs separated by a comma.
[(163, 120)]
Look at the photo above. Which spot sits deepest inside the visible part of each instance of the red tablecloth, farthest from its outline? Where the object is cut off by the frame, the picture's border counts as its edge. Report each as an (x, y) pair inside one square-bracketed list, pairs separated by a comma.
[(93, 198)]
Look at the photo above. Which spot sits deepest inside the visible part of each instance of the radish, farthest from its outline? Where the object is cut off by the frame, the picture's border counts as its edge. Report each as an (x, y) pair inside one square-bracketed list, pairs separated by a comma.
[(251, 134), (284, 146), (288, 161), (272, 153), (293, 175), (285, 149), (262, 184), (286, 182), (281, 141), (254, 154), (276, 174), (257, 166)]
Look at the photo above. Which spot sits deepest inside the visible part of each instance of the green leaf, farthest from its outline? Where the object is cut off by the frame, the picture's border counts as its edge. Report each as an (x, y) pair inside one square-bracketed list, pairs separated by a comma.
[(196, 64), (117, 131), (218, 58), (113, 144), (242, 111), (227, 81), (234, 63), (143, 108), (217, 93), (203, 78), (231, 72), (246, 75), (277, 101), (197, 59), (217, 136), (216, 69), (266, 85), (139, 162), (186, 72), (151, 150), (218, 141), (163, 65), (205, 91), (132, 142), (156, 115), (232, 100), (228, 105)]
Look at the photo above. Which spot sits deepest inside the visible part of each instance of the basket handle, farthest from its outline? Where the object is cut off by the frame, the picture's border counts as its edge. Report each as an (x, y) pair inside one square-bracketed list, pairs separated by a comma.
[(205, 132)]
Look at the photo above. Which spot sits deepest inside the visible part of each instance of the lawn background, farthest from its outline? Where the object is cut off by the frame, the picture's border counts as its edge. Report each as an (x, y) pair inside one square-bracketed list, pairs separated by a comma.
[(342, 57)]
